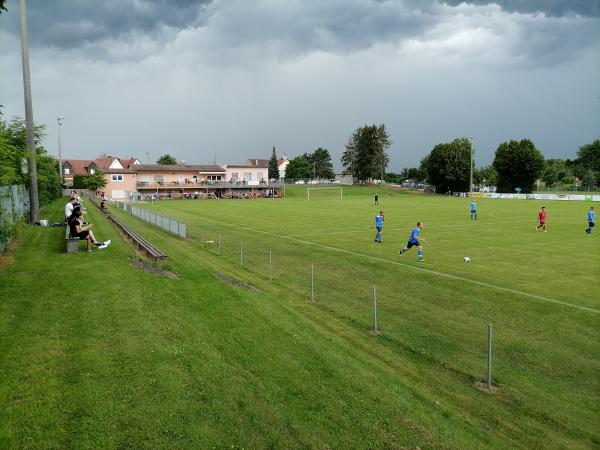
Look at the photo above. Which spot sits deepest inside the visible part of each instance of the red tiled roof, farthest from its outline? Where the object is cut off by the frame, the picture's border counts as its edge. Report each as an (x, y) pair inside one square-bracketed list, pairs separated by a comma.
[(257, 162), (78, 166), (212, 168), (103, 163)]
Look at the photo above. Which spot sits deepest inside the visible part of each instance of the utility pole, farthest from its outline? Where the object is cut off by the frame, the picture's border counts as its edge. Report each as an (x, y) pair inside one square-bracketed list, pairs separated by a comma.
[(60, 170), (33, 185), (471, 167)]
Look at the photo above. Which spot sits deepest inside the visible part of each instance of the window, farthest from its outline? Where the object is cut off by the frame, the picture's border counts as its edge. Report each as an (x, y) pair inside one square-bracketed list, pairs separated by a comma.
[(66, 170), (235, 176), (260, 175), (117, 177), (92, 170), (247, 176), (214, 177)]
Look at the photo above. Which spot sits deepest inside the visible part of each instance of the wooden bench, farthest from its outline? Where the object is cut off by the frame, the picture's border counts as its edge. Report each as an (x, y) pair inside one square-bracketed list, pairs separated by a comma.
[(133, 237), (72, 242)]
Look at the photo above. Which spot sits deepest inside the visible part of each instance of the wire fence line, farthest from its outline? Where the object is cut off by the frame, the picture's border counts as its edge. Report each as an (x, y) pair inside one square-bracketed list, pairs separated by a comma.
[(345, 288), (14, 204), (444, 324), (170, 225)]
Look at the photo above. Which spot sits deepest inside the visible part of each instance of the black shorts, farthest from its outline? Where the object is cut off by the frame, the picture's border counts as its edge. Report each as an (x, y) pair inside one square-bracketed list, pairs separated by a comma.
[(379, 229), (413, 244), (591, 224), (82, 235)]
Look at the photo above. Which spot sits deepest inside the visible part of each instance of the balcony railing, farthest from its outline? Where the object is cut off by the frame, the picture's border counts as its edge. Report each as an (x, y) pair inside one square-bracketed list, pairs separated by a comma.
[(200, 185)]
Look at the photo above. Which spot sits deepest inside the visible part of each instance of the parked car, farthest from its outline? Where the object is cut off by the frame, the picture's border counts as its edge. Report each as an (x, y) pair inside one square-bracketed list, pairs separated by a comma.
[(299, 182)]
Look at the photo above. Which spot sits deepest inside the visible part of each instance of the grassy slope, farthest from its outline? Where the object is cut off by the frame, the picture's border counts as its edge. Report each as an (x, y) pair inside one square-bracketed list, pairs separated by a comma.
[(97, 354)]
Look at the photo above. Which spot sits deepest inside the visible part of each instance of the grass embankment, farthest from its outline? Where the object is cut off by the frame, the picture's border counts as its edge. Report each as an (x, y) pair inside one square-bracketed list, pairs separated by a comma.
[(98, 354)]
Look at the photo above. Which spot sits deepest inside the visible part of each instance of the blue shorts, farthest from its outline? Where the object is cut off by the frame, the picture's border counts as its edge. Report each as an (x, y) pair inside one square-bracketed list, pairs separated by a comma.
[(413, 244)]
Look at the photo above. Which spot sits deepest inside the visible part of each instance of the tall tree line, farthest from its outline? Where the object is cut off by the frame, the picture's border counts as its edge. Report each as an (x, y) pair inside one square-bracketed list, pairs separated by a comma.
[(365, 157)]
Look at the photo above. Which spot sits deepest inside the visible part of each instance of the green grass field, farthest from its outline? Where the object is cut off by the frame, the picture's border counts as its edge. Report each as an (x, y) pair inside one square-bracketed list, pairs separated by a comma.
[(97, 354)]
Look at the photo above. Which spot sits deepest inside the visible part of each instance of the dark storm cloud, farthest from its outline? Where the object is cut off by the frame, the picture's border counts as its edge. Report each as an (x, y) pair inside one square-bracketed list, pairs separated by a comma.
[(71, 24), (554, 8)]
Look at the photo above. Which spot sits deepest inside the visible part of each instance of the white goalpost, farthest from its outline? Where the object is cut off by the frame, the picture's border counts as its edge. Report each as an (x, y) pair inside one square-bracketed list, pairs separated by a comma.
[(325, 193)]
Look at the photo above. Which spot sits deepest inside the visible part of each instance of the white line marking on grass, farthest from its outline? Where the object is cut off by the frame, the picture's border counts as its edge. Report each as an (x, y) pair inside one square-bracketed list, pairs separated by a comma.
[(417, 268), (368, 229)]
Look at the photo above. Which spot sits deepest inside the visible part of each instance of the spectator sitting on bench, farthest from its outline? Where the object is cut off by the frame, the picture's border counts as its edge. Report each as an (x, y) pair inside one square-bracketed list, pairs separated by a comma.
[(69, 209), (77, 230)]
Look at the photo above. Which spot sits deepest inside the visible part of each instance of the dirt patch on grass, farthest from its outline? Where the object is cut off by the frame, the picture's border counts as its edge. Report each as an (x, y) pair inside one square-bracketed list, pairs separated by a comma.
[(234, 282), (483, 387), (6, 258), (141, 265)]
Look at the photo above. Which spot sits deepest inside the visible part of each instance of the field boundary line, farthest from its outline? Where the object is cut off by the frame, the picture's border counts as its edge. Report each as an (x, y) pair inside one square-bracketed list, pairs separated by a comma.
[(416, 268)]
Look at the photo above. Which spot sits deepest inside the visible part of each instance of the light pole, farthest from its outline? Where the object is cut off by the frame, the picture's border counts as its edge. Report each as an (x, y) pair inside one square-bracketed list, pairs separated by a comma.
[(471, 167), (60, 170), (34, 205)]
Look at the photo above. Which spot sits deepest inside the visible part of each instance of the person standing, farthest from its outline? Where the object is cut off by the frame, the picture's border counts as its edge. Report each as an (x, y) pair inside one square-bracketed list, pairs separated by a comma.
[(473, 210), (379, 218), (414, 240), (376, 199), (542, 219), (591, 216)]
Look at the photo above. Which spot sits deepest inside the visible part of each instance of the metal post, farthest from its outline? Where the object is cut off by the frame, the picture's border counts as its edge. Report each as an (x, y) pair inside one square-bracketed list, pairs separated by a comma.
[(219, 242), (270, 267), (34, 205), (471, 167), (60, 170), (312, 282), (489, 362), (375, 330), (241, 254)]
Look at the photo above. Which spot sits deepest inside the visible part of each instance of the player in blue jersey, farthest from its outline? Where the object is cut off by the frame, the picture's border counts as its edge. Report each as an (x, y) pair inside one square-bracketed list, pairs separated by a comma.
[(591, 216), (473, 210), (414, 240), (379, 225)]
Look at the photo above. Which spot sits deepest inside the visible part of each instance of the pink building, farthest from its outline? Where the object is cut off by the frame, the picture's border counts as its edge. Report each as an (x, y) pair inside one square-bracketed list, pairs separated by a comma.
[(127, 179)]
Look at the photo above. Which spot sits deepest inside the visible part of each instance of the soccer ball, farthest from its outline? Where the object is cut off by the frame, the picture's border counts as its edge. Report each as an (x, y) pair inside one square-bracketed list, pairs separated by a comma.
[(466, 259)]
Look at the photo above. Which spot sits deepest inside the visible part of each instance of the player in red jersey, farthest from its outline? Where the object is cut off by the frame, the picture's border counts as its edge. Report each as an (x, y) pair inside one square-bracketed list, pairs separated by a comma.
[(542, 219)]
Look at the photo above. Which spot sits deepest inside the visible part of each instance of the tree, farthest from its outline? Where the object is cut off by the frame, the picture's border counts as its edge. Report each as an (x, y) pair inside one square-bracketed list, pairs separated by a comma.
[(485, 176), (589, 179), (413, 173), (80, 182), (448, 165), (298, 169), (320, 162), (273, 167), (588, 156), (95, 181), (365, 157), (519, 165), (166, 160), (13, 150)]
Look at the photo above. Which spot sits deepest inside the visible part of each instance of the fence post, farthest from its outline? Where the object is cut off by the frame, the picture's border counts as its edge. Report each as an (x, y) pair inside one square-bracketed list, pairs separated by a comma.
[(375, 329), (489, 361), (312, 283), (270, 268)]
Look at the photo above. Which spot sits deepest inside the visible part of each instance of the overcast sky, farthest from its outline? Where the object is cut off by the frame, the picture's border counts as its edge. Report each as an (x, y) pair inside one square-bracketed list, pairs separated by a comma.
[(233, 78)]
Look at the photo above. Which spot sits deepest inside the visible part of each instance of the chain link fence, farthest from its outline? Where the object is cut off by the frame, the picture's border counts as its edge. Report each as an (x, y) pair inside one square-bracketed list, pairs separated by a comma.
[(14, 204), (172, 226)]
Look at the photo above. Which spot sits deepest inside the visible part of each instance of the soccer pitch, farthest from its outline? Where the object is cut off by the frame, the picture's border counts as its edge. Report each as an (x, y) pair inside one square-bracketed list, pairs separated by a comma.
[(539, 290)]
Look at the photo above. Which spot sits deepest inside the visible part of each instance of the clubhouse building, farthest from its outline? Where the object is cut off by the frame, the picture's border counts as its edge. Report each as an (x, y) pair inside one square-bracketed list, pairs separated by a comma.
[(129, 180)]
